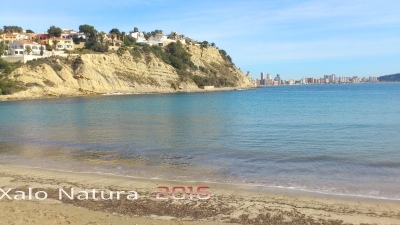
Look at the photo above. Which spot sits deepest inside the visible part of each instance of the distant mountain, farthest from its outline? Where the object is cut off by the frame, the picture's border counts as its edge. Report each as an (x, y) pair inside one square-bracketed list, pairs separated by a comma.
[(390, 78)]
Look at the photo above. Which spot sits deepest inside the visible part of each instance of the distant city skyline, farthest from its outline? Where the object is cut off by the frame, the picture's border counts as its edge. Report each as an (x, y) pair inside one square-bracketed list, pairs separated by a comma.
[(295, 39), (326, 79)]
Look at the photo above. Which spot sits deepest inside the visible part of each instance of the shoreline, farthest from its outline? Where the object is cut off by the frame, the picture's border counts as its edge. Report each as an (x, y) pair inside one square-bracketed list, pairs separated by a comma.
[(9, 98), (228, 203), (250, 187)]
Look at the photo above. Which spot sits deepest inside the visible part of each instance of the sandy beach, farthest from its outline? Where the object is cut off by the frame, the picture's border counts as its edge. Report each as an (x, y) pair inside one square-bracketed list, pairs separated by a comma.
[(228, 204)]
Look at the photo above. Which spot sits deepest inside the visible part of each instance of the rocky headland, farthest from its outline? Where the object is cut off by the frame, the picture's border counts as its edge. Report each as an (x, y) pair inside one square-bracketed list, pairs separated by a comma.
[(140, 69)]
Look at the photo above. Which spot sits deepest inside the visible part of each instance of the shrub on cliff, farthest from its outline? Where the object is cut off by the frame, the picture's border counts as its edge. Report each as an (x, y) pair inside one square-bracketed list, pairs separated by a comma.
[(96, 46), (225, 56), (212, 81), (76, 63), (136, 52), (7, 67), (121, 50), (177, 52), (8, 87), (129, 41)]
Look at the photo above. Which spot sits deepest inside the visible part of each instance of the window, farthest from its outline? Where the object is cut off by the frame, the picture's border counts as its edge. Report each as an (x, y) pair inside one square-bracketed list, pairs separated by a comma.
[(21, 52), (16, 52), (59, 46)]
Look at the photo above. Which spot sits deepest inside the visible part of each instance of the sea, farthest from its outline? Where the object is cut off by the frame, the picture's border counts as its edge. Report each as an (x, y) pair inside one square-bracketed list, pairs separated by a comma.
[(339, 139)]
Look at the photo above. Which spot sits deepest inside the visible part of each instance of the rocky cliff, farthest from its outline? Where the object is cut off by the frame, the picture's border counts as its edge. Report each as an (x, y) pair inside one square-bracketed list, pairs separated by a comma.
[(120, 73)]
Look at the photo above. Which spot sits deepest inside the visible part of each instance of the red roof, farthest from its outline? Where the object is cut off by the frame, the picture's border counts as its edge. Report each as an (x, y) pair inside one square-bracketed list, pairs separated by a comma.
[(42, 35), (25, 42), (61, 39)]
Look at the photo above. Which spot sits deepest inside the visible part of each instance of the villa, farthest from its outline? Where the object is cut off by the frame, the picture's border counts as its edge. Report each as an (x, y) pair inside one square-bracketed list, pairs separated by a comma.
[(62, 43), (139, 36), (19, 47)]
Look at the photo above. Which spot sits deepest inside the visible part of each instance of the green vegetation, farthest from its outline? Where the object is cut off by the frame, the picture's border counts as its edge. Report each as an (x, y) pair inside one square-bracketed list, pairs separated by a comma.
[(390, 78), (77, 41), (121, 50), (99, 47), (173, 54), (48, 47), (225, 56), (92, 37), (212, 81), (204, 44), (116, 32), (8, 86), (41, 50), (12, 29), (176, 55), (28, 49), (6, 67), (54, 31), (51, 61), (129, 41), (55, 42), (88, 30), (2, 48), (77, 63)]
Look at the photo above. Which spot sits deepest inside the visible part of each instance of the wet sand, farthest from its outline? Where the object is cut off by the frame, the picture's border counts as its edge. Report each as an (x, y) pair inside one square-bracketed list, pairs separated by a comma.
[(228, 204)]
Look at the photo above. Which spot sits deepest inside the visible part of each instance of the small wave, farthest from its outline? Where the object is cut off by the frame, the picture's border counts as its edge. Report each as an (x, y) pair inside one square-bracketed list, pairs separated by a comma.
[(385, 164), (317, 158)]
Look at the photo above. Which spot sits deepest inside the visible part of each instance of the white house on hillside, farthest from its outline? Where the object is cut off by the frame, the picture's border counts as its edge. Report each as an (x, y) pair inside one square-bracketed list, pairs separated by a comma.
[(69, 33), (139, 36), (19, 47), (157, 39)]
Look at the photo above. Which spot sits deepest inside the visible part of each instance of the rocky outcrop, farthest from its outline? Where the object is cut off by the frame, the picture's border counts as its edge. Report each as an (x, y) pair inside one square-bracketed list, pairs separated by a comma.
[(110, 73)]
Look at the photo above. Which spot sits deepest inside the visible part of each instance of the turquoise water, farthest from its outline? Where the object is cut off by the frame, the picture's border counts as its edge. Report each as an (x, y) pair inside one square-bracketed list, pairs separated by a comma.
[(339, 139)]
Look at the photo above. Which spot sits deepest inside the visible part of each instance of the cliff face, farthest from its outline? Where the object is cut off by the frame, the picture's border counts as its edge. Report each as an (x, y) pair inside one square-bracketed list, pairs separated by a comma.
[(111, 73)]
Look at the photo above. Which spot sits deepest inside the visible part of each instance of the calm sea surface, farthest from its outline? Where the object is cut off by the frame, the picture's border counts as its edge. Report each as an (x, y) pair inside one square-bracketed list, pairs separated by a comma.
[(340, 139)]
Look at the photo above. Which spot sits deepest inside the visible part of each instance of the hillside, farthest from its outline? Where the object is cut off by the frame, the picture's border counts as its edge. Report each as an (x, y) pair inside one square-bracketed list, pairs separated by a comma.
[(390, 78), (142, 69)]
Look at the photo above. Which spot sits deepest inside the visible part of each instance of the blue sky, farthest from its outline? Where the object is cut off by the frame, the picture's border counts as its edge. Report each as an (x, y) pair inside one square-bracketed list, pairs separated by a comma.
[(293, 38)]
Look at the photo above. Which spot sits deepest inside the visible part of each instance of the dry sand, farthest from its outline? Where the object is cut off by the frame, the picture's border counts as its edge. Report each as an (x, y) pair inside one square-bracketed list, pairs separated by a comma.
[(228, 204)]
